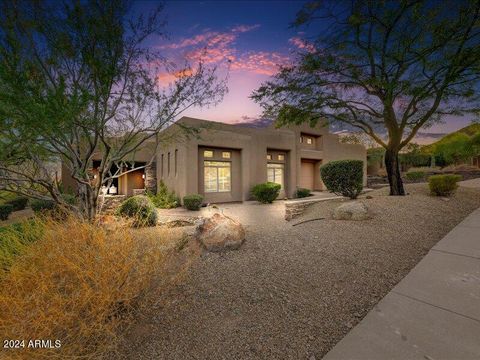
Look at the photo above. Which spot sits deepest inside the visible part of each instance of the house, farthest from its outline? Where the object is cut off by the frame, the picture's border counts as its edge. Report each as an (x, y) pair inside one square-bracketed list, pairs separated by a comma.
[(222, 162), (225, 161)]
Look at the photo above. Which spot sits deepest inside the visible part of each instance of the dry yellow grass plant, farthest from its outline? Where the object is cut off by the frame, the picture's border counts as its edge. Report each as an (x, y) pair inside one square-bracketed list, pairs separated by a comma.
[(78, 283)]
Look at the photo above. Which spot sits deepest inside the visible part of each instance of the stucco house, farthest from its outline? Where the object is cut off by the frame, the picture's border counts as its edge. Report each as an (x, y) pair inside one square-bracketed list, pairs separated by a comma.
[(223, 161)]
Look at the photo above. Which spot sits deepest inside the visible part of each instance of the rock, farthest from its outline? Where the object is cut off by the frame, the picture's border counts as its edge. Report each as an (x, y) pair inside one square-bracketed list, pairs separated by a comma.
[(219, 233), (369, 197), (351, 211), (179, 223)]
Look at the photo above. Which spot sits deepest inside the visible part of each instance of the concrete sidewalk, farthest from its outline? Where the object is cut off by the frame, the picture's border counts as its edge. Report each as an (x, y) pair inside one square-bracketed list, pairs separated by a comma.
[(433, 313)]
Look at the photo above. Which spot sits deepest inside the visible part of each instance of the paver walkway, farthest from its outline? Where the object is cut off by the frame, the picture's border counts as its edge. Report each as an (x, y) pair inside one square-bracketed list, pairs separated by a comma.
[(433, 313)]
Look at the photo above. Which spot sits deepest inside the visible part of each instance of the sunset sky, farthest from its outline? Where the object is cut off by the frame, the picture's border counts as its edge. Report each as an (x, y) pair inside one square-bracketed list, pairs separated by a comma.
[(251, 37)]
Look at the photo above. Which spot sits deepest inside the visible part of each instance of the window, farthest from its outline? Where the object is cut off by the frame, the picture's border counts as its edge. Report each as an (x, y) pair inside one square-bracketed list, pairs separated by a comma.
[(161, 167), (208, 153), (176, 160), (269, 156), (168, 164), (281, 157), (226, 154), (275, 173), (306, 139), (217, 176)]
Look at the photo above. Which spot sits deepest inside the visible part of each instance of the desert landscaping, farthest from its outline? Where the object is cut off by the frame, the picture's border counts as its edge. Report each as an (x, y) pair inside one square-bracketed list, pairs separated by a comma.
[(295, 291)]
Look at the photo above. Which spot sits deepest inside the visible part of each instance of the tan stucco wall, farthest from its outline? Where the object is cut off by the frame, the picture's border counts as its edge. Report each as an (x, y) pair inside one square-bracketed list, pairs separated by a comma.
[(251, 145)]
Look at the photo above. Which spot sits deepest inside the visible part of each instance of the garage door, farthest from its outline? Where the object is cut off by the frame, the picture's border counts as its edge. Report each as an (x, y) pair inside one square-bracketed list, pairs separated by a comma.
[(307, 175)]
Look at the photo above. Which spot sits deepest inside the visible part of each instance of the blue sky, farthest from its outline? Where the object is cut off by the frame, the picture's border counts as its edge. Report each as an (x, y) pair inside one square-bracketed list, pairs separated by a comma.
[(254, 36)]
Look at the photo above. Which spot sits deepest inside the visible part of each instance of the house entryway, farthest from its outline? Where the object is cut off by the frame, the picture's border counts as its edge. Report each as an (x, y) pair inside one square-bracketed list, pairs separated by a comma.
[(307, 174)]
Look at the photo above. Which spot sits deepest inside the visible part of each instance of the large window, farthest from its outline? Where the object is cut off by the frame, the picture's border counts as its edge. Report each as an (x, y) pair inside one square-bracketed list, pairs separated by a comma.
[(217, 176), (275, 173)]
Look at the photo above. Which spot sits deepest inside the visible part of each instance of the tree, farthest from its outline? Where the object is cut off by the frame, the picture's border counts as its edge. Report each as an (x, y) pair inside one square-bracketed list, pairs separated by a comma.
[(387, 68), (79, 80), (359, 138)]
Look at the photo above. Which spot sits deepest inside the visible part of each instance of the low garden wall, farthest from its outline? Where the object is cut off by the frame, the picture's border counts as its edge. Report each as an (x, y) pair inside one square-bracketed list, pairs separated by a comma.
[(111, 202), (294, 208)]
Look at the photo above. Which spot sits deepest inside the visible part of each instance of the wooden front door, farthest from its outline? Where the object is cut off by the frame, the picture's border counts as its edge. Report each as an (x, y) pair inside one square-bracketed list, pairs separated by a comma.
[(307, 175)]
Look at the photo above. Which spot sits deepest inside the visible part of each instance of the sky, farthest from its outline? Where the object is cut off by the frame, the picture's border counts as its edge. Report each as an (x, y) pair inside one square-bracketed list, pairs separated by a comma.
[(250, 37)]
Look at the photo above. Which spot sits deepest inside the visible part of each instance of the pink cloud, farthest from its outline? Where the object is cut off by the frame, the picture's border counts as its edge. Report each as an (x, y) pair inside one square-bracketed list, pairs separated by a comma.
[(301, 44), (166, 78), (260, 62), (217, 48), (211, 37), (245, 28)]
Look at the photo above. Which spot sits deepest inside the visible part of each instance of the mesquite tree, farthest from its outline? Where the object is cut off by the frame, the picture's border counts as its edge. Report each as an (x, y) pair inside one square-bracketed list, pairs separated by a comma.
[(78, 81), (388, 68)]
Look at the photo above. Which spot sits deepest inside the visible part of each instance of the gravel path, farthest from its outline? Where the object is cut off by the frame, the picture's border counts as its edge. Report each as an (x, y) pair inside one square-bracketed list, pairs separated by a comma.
[(292, 292)]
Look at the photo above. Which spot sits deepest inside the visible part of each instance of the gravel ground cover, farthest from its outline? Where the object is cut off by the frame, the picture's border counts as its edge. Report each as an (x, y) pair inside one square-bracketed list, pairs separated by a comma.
[(292, 292)]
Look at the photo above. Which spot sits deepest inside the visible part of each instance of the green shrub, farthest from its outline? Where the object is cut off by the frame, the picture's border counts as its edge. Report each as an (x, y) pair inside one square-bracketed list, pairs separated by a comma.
[(39, 205), (164, 199), (43, 206), (5, 211), (139, 208), (266, 192), (15, 238), (193, 202), (18, 203), (301, 193), (69, 199), (415, 175), (443, 185), (343, 177)]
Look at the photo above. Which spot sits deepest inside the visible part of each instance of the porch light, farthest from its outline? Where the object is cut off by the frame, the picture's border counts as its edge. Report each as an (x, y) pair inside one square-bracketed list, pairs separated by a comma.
[(94, 176), (143, 176)]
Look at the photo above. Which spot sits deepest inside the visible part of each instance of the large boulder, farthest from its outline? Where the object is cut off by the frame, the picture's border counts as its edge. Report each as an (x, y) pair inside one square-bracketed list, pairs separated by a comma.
[(354, 210), (219, 233)]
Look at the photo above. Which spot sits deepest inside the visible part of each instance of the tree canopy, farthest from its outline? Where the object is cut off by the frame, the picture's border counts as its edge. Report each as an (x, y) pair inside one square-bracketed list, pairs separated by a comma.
[(387, 68), (79, 80)]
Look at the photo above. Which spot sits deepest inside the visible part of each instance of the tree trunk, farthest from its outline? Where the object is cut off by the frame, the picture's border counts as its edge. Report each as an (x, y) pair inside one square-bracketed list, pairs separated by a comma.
[(393, 172), (88, 202)]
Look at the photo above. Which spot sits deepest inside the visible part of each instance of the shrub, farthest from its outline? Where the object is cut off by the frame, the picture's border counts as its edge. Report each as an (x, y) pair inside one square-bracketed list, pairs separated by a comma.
[(164, 199), (343, 177), (140, 209), (266, 192), (5, 211), (15, 239), (78, 283), (18, 203), (69, 199), (301, 193), (443, 185), (426, 169), (193, 202), (40, 205), (415, 175)]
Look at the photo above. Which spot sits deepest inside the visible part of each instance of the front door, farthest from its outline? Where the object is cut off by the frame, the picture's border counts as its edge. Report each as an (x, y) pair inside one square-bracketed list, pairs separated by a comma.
[(307, 175)]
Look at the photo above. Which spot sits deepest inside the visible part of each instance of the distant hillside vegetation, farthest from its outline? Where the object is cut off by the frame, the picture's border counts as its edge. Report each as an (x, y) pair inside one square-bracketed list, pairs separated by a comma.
[(469, 130)]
